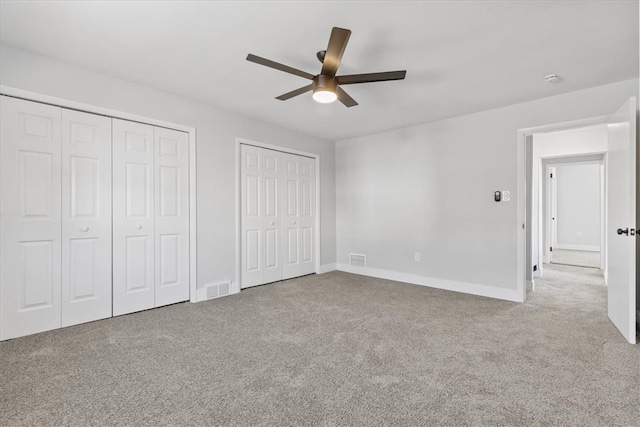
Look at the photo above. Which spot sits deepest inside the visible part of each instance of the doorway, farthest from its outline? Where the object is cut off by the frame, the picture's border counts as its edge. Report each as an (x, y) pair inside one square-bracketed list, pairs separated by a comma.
[(618, 150), (572, 211)]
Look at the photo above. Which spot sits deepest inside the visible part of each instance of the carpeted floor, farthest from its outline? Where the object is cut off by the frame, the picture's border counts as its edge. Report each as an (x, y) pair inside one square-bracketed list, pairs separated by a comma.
[(336, 349), (576, 258)]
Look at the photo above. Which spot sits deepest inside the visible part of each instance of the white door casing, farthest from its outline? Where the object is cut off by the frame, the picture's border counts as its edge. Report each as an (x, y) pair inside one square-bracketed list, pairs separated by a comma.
[(171, 238), (621, 214), (30, 224), (86, 217), (133, 217)]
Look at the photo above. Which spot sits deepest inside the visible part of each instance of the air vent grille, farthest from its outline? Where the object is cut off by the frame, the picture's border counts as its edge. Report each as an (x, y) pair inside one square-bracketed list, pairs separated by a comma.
[(218, 290), (357, 260)]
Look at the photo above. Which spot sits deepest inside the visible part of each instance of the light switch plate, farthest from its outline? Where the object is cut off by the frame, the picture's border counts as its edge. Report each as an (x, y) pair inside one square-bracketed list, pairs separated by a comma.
[(506, 196)]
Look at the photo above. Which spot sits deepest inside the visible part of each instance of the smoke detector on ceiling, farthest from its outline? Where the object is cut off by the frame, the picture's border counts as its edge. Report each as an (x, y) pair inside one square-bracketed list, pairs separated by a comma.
[(551, 78)]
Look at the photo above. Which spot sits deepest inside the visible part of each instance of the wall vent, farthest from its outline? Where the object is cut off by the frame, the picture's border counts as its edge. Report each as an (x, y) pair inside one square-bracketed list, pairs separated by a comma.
[(218, 290), (357, 260)]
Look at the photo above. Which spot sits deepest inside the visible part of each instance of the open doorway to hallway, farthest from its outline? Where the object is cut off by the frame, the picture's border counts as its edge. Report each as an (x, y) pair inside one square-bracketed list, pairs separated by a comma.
[(568, 198)]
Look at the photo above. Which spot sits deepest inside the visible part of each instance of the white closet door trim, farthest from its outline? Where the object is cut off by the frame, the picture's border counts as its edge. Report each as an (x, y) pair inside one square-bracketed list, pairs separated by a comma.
[(73, 105), (316, 157)]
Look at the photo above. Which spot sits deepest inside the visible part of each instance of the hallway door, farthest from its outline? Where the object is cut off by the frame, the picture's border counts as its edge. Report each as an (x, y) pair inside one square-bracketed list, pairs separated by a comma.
[(621, 203)]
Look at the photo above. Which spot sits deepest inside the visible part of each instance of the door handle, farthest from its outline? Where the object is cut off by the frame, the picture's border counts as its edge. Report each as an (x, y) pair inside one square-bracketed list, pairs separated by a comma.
[(273, 223), (293, 222), (84, 229), (625, 231), (139, 227)]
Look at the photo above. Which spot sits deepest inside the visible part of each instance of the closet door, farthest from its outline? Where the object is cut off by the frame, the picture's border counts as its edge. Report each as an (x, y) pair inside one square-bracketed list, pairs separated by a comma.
[(171, 216), (307, 219), (299, 216), (133, 217), (271, 218), (86, 217), (291, 219), (251, 215), (30, 224)]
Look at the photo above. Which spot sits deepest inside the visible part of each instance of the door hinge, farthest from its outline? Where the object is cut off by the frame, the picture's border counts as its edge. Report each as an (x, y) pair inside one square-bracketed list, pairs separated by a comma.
[(550, 249), (551, 175)]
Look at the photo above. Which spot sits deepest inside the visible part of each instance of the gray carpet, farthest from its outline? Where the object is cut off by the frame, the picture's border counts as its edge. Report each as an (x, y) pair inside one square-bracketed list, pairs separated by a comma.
[(336, 349), (577, 258)]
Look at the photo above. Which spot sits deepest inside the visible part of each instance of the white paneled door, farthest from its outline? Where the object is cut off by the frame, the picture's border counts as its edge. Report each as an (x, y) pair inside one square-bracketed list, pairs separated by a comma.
[(30, 206), (621, 221), (171, 237), (277, 215), (86, 217), (150, 217), (133, 217), (299, 216)]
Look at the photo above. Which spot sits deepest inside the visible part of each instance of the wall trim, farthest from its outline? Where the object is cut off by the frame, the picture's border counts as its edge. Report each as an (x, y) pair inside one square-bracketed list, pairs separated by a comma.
[(316, 157), (432, 282), (327, 268), (531, 285), (569, 247), (191, 131)]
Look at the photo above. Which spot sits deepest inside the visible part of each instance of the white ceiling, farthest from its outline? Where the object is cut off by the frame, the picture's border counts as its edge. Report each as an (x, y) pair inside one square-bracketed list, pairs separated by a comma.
[(460, 56)]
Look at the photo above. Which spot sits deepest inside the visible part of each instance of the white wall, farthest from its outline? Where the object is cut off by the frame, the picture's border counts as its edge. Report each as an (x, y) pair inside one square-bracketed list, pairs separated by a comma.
[(578, 206), (216, 156), (429, 189)]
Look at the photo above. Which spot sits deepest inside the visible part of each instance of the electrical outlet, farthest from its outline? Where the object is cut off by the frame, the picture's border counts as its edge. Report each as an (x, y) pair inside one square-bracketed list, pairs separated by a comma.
[(416, 256), (506, 196)]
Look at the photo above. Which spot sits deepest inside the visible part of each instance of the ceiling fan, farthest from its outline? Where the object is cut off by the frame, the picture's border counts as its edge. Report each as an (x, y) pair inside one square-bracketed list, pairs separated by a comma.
[(326, 85)]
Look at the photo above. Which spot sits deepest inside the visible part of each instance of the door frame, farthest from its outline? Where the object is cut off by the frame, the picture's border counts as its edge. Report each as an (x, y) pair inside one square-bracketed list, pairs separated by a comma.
[(116, 114), (550, 227), (316, 157), (524, 161)]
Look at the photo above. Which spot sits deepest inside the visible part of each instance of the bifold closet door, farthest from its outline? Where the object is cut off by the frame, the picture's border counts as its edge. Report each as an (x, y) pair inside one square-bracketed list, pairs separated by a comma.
[(171, 237), (133, 217), (299, 215), (277, 215), (30, 205), (150, 216), (86, 217)]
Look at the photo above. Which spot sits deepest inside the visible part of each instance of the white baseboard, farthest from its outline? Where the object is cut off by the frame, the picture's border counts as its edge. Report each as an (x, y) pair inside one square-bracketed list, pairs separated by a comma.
[(531, 285), (578, 248), (327, 268), (201, 293), (449, 285)]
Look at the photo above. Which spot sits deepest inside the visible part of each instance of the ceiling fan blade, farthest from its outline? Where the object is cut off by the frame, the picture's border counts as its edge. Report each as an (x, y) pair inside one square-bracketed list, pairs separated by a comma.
[(371, 77), (345, 98), (335, 49), (276, 65), (296, 92)]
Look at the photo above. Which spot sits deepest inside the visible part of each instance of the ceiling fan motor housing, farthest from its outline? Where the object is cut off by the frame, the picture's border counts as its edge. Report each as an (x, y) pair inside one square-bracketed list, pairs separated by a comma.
[(322, 82)]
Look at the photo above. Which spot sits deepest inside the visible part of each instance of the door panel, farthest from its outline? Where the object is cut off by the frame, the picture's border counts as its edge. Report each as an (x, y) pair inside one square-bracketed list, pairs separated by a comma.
[(307, 215), (621, 203), (171, 216), (251, 219), (271, 256), (133, 219), (86, 217), (30, 229)]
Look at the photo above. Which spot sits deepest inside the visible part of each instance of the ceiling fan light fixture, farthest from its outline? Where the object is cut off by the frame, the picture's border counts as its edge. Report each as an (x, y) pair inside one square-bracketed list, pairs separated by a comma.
[(324, 89), (324, 96)]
